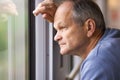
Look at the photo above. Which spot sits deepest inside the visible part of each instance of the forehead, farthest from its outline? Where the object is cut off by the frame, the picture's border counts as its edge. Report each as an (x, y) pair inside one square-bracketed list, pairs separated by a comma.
[(63, 13), (65, 7)]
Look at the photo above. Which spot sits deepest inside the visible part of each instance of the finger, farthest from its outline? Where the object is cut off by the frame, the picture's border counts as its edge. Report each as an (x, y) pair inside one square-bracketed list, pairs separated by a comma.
[(39, 10), (45, 7), (48, 18), (50, 9)]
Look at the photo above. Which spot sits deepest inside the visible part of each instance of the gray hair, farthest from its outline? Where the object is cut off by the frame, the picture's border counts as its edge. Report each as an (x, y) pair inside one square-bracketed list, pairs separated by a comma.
[(87, 9)]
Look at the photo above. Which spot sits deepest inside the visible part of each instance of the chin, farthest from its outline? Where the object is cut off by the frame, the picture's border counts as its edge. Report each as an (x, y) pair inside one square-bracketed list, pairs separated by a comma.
[(67, 52), (63, 52)]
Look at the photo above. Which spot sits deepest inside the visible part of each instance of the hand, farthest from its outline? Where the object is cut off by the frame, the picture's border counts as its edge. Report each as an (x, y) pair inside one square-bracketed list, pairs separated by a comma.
[(47, 9)]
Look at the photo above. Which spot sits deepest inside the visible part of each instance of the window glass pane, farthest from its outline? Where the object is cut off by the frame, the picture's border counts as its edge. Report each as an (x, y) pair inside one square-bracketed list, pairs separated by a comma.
[(13, 40)]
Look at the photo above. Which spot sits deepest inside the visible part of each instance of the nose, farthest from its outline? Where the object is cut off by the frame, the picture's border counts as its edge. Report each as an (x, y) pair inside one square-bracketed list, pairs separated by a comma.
[(57, 37)]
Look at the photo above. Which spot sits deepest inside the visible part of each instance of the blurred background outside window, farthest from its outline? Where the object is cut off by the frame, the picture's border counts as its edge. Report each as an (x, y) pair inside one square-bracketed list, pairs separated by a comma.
[(13, 40), (113, 13)]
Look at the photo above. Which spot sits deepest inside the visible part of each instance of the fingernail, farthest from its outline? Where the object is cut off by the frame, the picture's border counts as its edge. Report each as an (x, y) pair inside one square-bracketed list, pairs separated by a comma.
[(34, 12)]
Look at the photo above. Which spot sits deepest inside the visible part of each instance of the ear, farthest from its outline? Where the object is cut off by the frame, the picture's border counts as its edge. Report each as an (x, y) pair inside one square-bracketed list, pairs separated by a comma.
[(90, 27)]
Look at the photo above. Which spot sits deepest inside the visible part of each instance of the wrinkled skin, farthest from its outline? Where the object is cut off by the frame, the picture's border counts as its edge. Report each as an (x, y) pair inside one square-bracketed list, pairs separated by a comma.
[(71, 37), (47, 9)]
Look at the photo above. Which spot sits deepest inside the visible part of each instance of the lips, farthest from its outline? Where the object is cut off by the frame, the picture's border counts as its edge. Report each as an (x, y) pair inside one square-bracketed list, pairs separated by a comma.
[(61, 44)]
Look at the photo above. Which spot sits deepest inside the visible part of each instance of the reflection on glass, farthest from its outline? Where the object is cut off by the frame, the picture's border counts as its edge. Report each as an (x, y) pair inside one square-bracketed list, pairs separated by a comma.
[(7, 7), (13, 40)]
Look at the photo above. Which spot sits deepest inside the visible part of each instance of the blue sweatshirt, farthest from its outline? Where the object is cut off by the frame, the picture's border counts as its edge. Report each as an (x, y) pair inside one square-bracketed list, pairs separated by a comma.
[(103, 62)]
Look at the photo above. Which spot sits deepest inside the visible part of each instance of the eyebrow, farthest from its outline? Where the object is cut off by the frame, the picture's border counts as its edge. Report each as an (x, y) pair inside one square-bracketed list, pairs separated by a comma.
[(60, 24), (56, 25)]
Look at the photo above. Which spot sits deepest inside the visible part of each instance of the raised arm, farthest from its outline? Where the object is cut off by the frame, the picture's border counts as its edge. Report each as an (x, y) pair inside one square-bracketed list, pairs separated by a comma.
[(47, 9)]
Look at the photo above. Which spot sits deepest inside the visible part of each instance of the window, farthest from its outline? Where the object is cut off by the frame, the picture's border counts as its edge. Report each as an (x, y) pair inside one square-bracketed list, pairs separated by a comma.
[(13, 40), (50, 65)]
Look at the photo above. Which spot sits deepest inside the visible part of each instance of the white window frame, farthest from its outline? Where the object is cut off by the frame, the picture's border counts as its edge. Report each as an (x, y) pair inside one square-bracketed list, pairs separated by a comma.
[(44, 53)]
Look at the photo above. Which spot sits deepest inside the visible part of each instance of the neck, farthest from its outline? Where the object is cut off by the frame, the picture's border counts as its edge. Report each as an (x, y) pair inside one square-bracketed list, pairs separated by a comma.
[(93, 42)]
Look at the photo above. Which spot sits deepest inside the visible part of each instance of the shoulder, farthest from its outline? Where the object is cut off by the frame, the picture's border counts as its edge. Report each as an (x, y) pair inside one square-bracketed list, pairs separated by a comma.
[(102, 63), (95, 69)]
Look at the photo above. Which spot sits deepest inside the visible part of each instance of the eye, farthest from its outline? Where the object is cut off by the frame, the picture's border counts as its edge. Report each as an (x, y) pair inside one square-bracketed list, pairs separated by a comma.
[(64, 28)]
